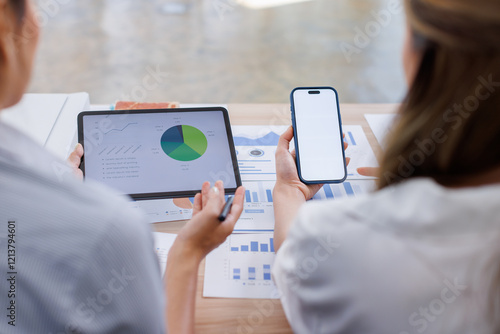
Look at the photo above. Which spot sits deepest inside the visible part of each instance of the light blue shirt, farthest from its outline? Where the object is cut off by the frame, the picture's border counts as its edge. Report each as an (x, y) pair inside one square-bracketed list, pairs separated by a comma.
[(84, 261)]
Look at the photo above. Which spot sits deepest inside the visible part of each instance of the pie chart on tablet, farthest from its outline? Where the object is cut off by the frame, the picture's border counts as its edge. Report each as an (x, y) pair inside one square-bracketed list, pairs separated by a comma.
[(184, 143)]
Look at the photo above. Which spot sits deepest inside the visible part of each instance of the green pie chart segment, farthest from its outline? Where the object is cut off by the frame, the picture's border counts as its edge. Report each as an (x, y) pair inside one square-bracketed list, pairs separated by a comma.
[(184, 143)]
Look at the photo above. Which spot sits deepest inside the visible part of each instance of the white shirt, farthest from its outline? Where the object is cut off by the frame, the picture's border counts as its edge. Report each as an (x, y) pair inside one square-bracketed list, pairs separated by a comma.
[(84, 262), (412, 258)]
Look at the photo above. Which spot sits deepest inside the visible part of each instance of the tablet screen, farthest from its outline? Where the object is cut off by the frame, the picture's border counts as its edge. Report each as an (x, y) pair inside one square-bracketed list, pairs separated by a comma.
[(159, 153)]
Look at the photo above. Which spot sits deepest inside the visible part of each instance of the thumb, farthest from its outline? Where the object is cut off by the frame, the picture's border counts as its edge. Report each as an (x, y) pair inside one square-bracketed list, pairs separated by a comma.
[(215, 201)]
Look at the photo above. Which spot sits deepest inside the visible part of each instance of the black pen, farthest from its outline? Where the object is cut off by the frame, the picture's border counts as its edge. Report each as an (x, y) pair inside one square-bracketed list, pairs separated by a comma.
[(227, 207)]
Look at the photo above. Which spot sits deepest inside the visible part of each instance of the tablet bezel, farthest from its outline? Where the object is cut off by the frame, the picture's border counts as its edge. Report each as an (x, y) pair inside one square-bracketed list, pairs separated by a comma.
[(171, 194)]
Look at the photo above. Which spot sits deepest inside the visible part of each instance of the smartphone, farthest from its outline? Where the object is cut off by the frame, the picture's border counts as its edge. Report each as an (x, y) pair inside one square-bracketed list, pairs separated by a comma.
[(317, 127)]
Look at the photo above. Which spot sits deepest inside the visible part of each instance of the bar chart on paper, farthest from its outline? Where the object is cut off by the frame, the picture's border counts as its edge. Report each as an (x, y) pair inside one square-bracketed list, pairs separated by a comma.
[(258, 213), (350, 188), (241, 268)]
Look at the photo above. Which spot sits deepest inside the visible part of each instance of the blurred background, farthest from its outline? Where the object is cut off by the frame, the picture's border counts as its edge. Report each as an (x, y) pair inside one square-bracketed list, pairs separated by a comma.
[(220, 51)]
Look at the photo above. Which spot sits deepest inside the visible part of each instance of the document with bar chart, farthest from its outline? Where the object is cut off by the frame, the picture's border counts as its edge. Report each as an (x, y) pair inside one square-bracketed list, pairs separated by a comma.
[(241, 268), (258, 213), (256, 147)]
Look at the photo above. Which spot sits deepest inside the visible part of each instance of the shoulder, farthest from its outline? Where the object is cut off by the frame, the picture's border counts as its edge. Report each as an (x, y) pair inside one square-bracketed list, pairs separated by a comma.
[(334, 263), (382, 254), (66, 217), (83, 242)]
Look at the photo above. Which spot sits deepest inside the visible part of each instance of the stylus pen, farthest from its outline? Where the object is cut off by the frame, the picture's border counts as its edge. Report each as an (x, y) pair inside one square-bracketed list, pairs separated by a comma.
[(227, 207)]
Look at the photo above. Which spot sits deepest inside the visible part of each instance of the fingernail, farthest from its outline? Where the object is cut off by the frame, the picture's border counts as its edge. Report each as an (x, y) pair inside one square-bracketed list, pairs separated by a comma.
[(215, 190)]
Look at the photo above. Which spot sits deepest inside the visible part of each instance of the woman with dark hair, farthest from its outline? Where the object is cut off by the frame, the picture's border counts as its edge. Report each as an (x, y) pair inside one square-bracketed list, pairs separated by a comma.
[(421, 253), (74, 257)]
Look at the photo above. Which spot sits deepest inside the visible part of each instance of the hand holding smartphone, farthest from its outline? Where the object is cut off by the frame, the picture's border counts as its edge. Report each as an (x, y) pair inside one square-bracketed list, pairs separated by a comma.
[(317, 127)]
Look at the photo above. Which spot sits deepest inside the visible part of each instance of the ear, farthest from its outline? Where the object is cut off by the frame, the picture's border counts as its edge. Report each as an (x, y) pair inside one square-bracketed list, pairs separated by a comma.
[(7, 26), (8, 50), (3, 29)]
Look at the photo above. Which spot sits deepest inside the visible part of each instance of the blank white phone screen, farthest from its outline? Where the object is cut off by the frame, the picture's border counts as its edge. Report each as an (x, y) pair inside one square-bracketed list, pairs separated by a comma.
[(320, 144)]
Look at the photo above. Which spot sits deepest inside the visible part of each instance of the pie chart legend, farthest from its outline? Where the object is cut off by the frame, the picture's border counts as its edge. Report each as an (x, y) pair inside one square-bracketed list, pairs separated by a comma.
[(184, 143)]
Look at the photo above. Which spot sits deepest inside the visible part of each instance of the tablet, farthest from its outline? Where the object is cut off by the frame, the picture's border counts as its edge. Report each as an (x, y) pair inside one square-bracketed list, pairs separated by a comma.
[(162, 153)]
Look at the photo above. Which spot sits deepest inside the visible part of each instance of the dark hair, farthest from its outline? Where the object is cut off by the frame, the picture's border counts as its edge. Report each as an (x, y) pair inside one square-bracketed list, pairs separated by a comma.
[(19, 7)]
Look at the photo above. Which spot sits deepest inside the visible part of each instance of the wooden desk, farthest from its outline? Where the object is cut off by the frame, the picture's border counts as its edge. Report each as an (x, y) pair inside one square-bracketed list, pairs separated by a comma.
[(228, 316)]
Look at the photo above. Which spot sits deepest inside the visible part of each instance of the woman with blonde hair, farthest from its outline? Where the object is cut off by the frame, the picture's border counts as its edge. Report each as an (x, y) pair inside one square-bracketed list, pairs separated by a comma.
[(420, 254)]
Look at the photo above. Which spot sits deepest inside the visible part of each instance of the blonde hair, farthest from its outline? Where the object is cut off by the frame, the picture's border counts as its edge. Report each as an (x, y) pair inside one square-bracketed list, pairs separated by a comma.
[(449, 123)]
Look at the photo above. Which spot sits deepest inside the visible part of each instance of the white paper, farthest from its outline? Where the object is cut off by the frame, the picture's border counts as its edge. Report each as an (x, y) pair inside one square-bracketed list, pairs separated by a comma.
[(198, 105), (49, 119), (233, 272), (162, 243), (64, 136), (255, 150), (35, 115), (165, 210), (258, 213), (101, 107), (257, 216), (359, 150), (380, 125)]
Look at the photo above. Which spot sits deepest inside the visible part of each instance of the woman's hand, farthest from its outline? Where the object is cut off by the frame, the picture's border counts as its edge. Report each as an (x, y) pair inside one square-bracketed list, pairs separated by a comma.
[(204, 232), (74, 160), (368, 171), (286, 169)]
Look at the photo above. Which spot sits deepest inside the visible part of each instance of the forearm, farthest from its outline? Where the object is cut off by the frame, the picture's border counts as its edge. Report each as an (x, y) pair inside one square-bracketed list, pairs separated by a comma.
[(181, 284), (287, 202)]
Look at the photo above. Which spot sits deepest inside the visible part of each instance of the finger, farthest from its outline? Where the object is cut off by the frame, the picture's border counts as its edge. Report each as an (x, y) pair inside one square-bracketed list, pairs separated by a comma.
[(215, 203), (313, 189), (78, 173), (294, 154), (236, 208), (205, 189), (75, 157), (220, 185), (79, 150), (197, 205), (73, 160), (347, 161), (368, 171), (346, 145), (285, 138)]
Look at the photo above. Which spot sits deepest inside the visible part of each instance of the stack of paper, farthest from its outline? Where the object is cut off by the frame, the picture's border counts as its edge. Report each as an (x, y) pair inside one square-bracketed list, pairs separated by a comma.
[(50, 119)]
